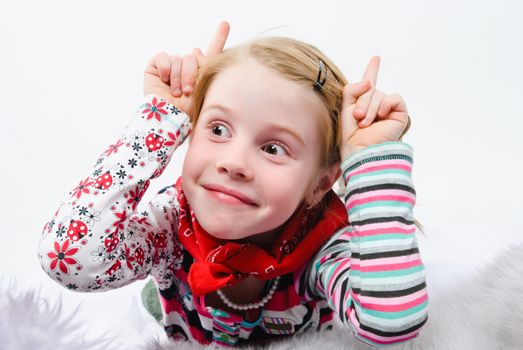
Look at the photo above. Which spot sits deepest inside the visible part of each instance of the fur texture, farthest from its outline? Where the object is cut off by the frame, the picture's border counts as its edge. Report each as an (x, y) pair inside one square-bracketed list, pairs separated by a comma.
[(483, 312), (30, 323)]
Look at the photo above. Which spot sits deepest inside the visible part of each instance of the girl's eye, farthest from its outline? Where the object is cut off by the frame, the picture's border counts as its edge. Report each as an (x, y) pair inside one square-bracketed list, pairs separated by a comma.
[(220, 130), (274, 149)]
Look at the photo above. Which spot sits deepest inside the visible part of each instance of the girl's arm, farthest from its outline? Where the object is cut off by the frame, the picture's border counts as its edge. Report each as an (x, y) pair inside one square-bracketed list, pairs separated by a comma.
[(371, 272), (101, 237)]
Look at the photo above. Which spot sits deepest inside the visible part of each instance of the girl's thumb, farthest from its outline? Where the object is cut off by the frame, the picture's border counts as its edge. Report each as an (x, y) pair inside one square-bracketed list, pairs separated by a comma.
[(352, 91)]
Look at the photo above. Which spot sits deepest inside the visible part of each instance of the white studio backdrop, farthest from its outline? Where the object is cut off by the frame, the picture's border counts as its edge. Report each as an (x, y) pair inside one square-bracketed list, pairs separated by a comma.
[(71, 77)]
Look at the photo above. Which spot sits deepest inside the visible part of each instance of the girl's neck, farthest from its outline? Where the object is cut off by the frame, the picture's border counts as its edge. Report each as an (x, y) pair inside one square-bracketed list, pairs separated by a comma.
[(264, 240)]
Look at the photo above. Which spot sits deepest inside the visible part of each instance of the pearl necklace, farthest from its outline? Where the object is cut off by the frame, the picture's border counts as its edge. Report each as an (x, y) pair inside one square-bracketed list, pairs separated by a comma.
[(249, 306)]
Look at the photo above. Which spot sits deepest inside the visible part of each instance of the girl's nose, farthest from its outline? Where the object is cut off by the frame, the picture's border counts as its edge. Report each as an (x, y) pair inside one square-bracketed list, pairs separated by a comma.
[(236, 169)]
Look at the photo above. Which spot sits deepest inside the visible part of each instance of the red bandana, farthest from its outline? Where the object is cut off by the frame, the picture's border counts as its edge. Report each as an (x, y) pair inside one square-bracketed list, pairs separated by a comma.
[(219, 263)]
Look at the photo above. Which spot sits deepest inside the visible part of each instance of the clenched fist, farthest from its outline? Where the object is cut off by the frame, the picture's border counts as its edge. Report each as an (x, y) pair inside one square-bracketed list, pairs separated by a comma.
[(370, 116), (173, 77)]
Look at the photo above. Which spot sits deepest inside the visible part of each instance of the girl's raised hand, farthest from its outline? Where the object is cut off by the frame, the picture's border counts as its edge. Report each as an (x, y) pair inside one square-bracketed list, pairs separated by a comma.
[(369, 116), (173, 77)]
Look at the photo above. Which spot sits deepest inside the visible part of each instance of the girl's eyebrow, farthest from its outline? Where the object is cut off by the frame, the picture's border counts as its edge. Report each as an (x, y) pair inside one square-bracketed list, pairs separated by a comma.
[(286, 130), (217, 106), (272, 126)]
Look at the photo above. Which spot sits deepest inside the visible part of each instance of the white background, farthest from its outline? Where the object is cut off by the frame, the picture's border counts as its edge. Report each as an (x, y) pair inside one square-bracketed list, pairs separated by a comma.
[(71, 77)]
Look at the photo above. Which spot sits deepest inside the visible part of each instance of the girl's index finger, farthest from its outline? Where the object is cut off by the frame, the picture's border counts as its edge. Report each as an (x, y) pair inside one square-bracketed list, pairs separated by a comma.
[(371, 72), (218, 41)]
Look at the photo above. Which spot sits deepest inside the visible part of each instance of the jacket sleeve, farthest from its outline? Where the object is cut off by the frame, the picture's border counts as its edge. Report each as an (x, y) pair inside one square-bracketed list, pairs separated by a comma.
[(371, 272), (102, 237)]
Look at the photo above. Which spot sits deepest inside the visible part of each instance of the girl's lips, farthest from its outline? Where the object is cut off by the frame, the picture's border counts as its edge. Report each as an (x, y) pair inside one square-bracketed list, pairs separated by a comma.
[(228, 195)]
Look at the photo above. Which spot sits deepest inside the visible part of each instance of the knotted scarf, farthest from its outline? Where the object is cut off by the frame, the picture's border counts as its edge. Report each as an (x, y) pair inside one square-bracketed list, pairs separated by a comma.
[(219, 263)]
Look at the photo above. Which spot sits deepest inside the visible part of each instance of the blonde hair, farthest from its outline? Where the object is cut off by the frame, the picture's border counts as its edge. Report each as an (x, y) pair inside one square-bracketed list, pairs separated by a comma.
[(294, 60)]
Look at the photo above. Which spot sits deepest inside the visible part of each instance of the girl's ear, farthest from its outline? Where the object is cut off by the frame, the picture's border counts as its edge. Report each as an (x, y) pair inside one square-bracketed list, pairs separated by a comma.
[(325, 182)]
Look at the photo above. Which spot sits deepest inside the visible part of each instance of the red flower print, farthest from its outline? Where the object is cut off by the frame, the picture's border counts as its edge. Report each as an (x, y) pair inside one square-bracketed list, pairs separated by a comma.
[(134, 197), (113, 148), (140, 221), (82, 188), (128, 257), (61, 256), (173, 138), (121, 219), (155, 109)]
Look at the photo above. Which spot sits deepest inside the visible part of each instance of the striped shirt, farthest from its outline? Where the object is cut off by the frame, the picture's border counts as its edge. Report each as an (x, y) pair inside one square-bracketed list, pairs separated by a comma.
[(369, 275)]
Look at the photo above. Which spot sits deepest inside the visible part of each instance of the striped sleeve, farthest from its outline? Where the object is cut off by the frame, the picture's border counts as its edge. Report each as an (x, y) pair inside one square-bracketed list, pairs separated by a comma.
[(371, 272)]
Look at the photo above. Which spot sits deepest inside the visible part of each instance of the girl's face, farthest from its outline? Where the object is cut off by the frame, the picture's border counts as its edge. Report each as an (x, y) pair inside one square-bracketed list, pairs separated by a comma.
[(254, 153)]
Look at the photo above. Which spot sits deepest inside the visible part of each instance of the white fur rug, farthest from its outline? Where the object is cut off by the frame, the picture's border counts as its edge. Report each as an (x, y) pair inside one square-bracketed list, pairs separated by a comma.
[(30, 322), (483, 312)]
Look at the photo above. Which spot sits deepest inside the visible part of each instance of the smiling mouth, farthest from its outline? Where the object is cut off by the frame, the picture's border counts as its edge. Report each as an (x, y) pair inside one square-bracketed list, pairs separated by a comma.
[(228, 196)]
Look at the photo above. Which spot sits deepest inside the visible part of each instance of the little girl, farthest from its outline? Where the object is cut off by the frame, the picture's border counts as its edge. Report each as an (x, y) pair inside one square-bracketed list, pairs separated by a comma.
[(251, 243)]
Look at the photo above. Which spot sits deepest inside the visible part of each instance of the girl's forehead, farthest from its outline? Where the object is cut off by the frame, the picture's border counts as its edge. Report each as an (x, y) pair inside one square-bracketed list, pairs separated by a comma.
[(250, 85)]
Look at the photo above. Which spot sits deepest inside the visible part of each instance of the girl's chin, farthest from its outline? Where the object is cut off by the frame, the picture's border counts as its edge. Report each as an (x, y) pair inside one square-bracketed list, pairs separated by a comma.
[(226, 235), (264, 239), (229, 230)]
